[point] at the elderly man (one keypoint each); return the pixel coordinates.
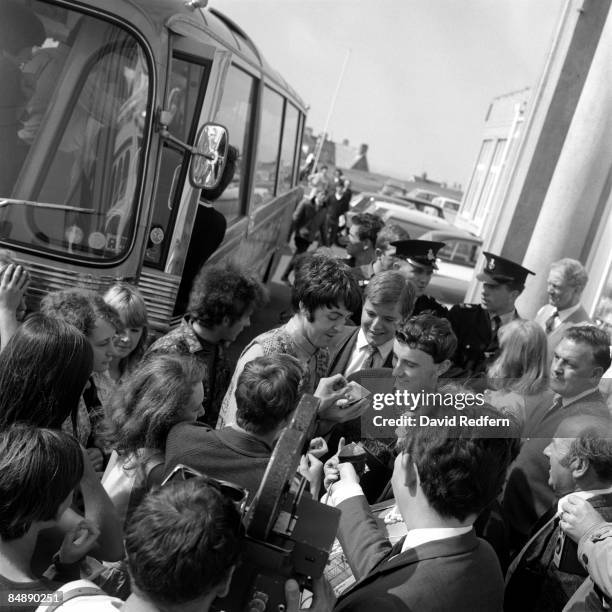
(566, 281)
(579, 361)
(546, 573)
(476, 325)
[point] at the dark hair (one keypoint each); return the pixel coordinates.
(461, 468)
(390, 233)
(38, 470)
(369, 226)
(148, 403)
(267, 392)
(223, 290)
(430, 334)
(391, 287)
(131, 308)
(43, 370)
(81, 308)
(320, 281)
(181, 541)
(596, 339)
(19, 28)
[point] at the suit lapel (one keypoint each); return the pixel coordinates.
(448, 547)
(343, 351)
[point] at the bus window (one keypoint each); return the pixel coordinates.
(288, 149)
(236, 114)
(80, 139)
(185, 92)
(267, 146)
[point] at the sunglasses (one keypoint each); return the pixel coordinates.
(238, 495)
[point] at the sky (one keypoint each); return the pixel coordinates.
(420, 74)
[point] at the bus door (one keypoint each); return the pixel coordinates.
(221, 220)
(190, 75)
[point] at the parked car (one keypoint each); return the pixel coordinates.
(456, 264)
(415, 218)
(420, 196)
(450, 206)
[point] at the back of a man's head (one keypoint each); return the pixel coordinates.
(430, 334)
(224, 291)
(182, 542)
(462, 467)
(267, 392)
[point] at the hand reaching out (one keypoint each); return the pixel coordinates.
(78, 542)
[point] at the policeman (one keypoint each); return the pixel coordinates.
(416, 260)
(476, 326)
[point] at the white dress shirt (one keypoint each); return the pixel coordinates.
(361, 353)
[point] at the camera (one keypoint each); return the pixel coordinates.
(288, 534)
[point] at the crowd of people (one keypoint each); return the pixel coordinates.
(506, 508)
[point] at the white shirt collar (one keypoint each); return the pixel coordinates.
(566, 401)
(568, 312)
(383, 349)
(416, 537)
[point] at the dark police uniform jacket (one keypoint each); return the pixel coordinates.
(476, 346)
(427, 303)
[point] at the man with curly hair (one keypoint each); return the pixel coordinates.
(222, 300)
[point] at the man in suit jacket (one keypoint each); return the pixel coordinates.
(442, 479)
(389, 299)
(546, 572)
(581, 358)
(476, 325)
(566, 281)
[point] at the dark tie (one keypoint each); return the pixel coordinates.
(550, 322)
(371, 352)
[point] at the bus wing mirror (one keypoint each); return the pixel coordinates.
(209, 157)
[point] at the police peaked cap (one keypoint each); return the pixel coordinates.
(501, 270)
(419, 252)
